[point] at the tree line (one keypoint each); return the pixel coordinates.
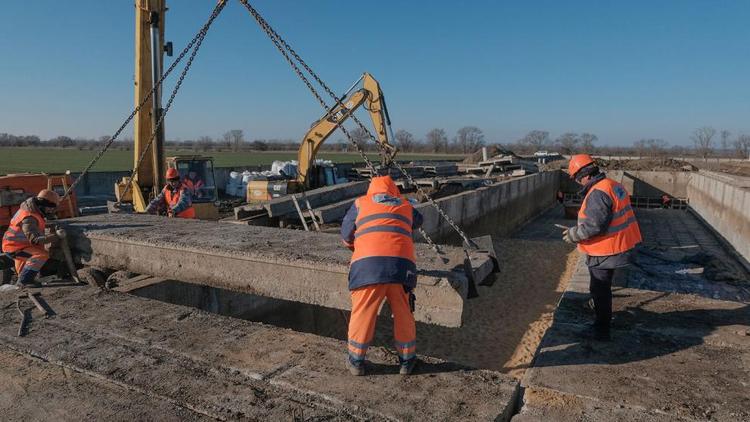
(707, 141)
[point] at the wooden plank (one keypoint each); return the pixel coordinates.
(139, 282)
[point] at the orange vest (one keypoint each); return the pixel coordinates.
(383, 229)
(173, 197)
(14, 239)
(623, 232)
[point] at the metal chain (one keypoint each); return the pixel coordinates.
(279, 42)
(282, 46)
(198, 41)
(122, 127)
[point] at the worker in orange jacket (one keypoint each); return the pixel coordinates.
(25, 237)
(176, 198)
(606, 232)
(378, 229)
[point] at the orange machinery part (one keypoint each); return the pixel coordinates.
(29, 185)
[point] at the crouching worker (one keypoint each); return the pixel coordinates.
(176, 198)
(378, 229)
(25, 238)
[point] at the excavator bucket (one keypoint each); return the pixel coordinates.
(480, 263)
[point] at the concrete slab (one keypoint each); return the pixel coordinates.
(293, 265)
(225, 368)
(673, 357)
(333, 212)
(317, 197)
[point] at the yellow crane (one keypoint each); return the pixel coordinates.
(371, 97)
(149, 172)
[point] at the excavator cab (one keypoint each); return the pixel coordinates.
(197, 173)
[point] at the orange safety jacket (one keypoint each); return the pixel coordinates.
(382, 232)
(14, 238)
(173, 198)
(623, 232)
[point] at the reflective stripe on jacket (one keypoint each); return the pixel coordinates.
(622, 233)
(14, 238)
(179, 201)
(381, 235)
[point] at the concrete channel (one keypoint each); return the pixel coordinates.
(243, 325)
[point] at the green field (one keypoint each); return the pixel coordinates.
(58, 160)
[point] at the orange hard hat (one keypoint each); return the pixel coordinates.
(577, 162)
(49, 196)
(172, 173)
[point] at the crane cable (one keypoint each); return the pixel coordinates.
(286, 50)
(194, 44)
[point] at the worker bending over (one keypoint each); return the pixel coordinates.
(176, 198)
(378, 229)
(25, 237)
(606, 232)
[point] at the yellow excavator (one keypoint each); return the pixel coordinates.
(148, 178)
(310, 176)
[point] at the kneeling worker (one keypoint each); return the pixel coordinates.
(176, 198)
(25, 238)
(378, 229)
(606, 232)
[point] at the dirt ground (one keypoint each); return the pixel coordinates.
(504, 325)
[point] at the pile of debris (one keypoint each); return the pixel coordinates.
(492, 151)
(648, 164)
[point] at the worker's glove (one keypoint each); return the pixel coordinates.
(348, 245)
(60, 233)
(570, 235)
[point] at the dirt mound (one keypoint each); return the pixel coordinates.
(650, 164)
(492, 151)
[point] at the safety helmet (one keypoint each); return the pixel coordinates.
(172, 173)
(577, 162)
(49, 196)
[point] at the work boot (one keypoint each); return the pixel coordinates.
(356, 368)
(407, 366)
(27, 278)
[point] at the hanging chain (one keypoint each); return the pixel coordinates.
(285, 49)
(217, 9)
(198, 41)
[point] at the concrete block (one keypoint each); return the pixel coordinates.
(333, 212)
(307, 267)
(317, 197)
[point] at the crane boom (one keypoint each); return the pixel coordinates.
(371, 96)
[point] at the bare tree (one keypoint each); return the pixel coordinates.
(725, 134)
(359, 135)
(536, 140)
(204, 143)
(703, 140)
(742, 146)
(437, 140)
(469, 139)
(587, 142)
(234, 139)
(568, 142)
(405, 140)
(656, 147)
(640, 147)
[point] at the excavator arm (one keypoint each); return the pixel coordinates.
(371, 96)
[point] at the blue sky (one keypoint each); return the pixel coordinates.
(622, 70)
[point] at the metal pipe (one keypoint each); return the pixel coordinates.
(156, 72)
